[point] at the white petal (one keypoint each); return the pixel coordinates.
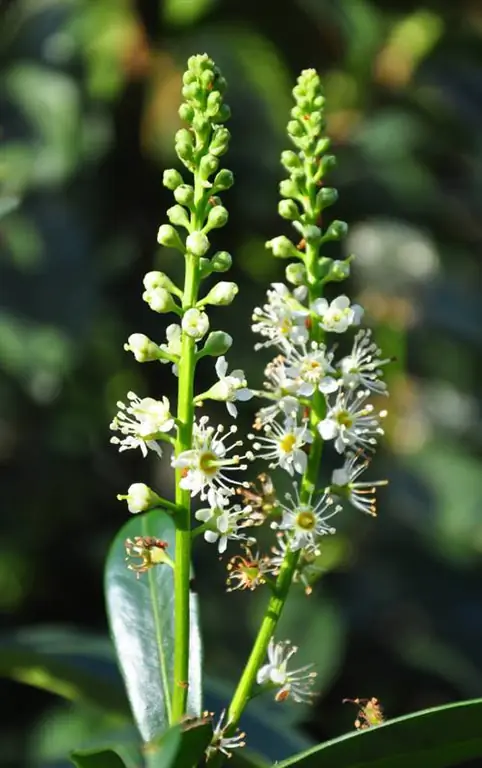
(232, 410)
(204, 515)
(211, 536)
(319, 306)
(328, 384)
(243, 394)
(299, 461)
(328, 429)
(221, 367)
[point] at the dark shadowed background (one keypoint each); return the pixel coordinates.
(89, 97)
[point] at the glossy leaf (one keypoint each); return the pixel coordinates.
(72, 664)
(433, 738)
(141, 615)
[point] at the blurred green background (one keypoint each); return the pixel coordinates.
(89, 97)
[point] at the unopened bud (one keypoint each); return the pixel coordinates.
(288, 210)
(143, 349)
(223, 180)
(221, 294)
(168, 236)
(336, 231)
(282, 247)
(154, 280)
(327, 196)
(184, 195)
(159, 300)
(340, 270)
(209, 164)
(288, 188)
(197, 243)
(140, 498)
(217, 217)
(290, 160)
(177, 215)
(295, 128)
(296, 273)
(322, 145)
(186, 112)
(220, 141)
(217, 343)
(171, 178)
(221, 261)
(312, 234)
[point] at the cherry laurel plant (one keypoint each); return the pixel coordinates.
(310, 395)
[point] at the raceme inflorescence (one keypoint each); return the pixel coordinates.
(312, 396)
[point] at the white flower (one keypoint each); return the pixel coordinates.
(143, 349)
(344, 484)
(298, 683)
(195, 323)
(310, 369)
(226, 524)
(283, 445)
(306, 522)
(142, 422)
(351, 422)
(230, 387)
(206, 467)
(139, 498)
(362, 368)
(282, 321)
(222, 743)
(339, 315)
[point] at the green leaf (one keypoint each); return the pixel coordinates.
(141, 616)
(123, 756)
(75, 665)
(179, 747)
(433, 738)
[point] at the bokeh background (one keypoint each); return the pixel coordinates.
(89, 97)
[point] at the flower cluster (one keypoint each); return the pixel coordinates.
(312, 394)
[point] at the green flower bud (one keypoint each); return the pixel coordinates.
(290, 160)
(159, 300)
(288, 188)
(282, 247)
(326, 196)
(295, 129)
(224, 113)
(201, 125)
(171, 178)
(217, 217)
(224, 179)
(186, 112)
(184, 145)
(327, 164)
(214, 103)
(192, 92)
(220, 141)
(336, 231)
(209, 164)
(177, 215)
(322, 145)
(340, 270)
(288, 210)
(168, 236)
(140, 498)
(195, 323)
(197, 243)
(184, 194)
(143, 349)
(207, 78)
(312, 234)
(222, 294)
(217, 343)
(153, 280)
(296, 273)
(221, 261)
(188, 77)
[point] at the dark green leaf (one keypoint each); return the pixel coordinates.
(433, 738)
(123, 756)
(141, 615)
(75, 665)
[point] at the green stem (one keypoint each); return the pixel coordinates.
(182, 573)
